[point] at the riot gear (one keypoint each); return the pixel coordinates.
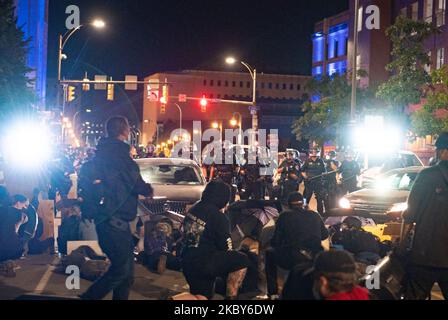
(313, 171)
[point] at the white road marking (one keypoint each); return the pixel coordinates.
(46, 277)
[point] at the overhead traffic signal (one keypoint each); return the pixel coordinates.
(164, 97)
(110, 92)
(70, 94)
(203, 104)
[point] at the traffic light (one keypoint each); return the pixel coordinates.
(163, 108)
(71, 93)
(164, 97)
(85, 84)
(110, 92)
(203, 104)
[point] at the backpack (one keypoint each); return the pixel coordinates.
(97, 191)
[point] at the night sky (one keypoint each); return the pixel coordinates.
(145, 36)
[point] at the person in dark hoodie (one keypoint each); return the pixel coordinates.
(208, 252)
(428, 210)
(118, 183)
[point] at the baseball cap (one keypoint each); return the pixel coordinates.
(442, 141)
(295, 197)
(335, 261)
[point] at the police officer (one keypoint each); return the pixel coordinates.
(290, 170)
(332, 166)
(313, 171)
(349, 172)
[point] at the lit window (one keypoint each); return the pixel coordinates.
(428, 66)
(414, 8)
(441, 11)
(428, 7)
(440, 58)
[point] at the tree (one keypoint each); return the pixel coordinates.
(432, 118)
(408, 77)
(326, 118)
(15, 92)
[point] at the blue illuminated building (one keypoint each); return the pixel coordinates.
(330, 46)
(32, 18)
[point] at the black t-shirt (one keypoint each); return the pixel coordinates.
(206, 229)
(300, 229)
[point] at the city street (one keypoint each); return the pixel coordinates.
(36, 277)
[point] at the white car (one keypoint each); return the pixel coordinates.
(380, 165)
(178, 183)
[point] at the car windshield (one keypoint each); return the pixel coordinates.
(396, 181)
(171, 174)
(396, 162)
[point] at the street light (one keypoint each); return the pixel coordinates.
(99, 24)
(238, 122)
(215, 125)
(253, 74)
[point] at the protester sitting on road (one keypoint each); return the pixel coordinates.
(332, 276)
(362, 244)
(11, 219)
(208, 250)
(298, 237)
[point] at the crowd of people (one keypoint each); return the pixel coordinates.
(226, 246)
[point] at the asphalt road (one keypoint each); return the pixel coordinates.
(37, 276)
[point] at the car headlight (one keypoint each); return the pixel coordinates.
(399, 207)
(344, 203)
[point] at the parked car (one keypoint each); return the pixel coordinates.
(377, 165)
(177, 183)
(380, 207)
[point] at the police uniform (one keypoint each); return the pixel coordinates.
(331, 185)
(313, 185)
(288, 183)
(349, 171)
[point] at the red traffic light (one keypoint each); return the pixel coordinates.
(203, 104)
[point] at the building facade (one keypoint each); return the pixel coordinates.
(32, 18)
(278, 96)
(374, 49)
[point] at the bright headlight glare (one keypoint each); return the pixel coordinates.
(399, 207)
(344, 203)
(27, 145)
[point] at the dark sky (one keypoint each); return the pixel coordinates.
(146, 36)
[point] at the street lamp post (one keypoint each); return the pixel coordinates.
(354, 64)
(180, 117)
(253, 74)
(62, 42)
(234, 122)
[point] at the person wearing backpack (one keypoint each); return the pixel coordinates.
(109, 187)
(428, 210)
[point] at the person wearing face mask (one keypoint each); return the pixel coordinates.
(428, 212)
(11, 244)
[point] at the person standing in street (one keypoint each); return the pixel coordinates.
(109, 188)
(428, 211)
(291, 176)
(349, 172)
(313, 171)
